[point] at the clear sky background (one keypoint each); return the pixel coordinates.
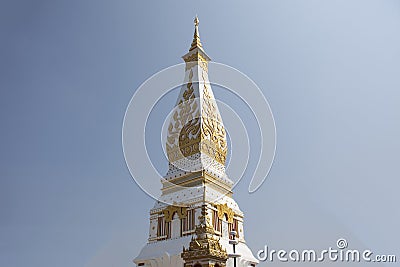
(329, 69)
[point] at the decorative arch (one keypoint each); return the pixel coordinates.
(170, 210)
(224, 209)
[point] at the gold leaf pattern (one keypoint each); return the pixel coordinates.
(197, 125)
(170, 211)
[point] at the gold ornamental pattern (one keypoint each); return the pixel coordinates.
(224, 209)
(171, 210)
(184, 129)
(205, 246)
(196, 125)
(213, 133)
(196, 59)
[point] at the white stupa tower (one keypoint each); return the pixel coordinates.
(192, 222)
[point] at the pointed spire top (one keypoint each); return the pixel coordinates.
(196, 38)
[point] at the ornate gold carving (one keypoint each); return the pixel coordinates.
(196, 125)
(184, 131)
(196, 38)
(196, 58)
(212, 130)
(205, 246)
(170, 211)
(195, 129)
(224, 209)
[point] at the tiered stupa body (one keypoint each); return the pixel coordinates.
(191, 222)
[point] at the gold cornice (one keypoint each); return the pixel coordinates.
(201, 175)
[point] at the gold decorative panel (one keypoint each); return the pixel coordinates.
(170, 211)
(224, 209)
(196, 125)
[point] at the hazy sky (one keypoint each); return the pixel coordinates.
(329, 69)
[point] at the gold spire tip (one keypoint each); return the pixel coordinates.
(196, 38)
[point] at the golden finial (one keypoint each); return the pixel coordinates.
(196, 38)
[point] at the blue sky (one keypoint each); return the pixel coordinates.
(329, 69)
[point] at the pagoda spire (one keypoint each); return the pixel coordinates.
(196, 43)
(196, 138)
(195, 210)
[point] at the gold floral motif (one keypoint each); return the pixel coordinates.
(196, 59)
(184, 130)
(212, 130)
(196, 125)
(224, 209)
(170, 211)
